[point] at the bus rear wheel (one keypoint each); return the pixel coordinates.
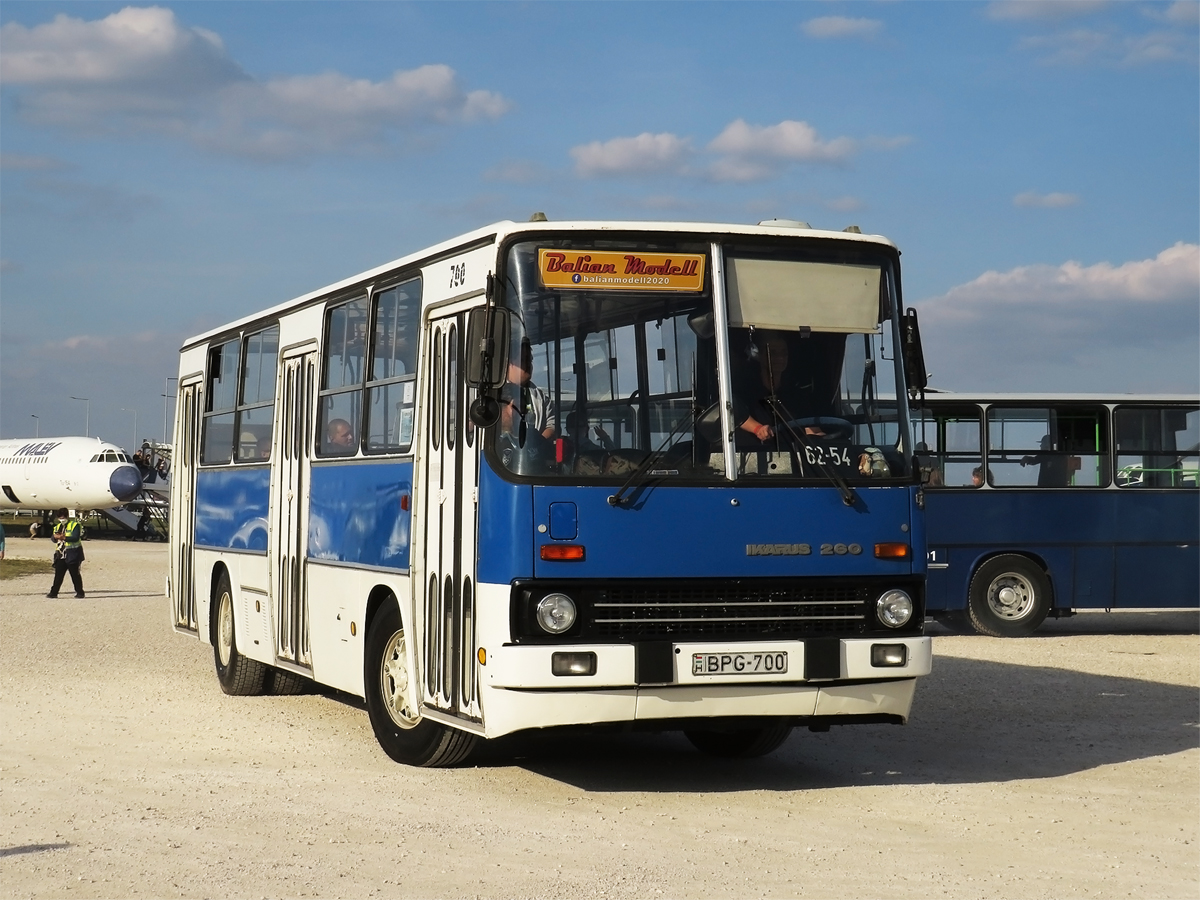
(743, 743)
(1009, 597)
(237, 675)
(392, 706)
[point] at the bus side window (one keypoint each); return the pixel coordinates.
(342, 371)
(391, 383)
(1157, 447)
(1049, 447)
(221, 413)
(949, 445)
(256, 411)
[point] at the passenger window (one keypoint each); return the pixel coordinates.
(1157, 447)
(1051, 447)
(220, 414)
(343, 371)
(949, 446)
(256, 413)
(391, 383)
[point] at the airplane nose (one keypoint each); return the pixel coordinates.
(125, 482)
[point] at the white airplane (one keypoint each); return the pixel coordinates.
(71, 472)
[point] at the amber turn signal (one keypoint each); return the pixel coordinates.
(891, 551)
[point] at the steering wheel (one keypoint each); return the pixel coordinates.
(834, 428)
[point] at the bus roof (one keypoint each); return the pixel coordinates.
(944, 396)
(500, 231)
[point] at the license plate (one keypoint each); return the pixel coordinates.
(774, 662)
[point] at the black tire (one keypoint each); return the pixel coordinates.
(1009, 597)
(744, 743)
(280, 682)
(392, 705)
(237, 675)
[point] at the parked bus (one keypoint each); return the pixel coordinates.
(1039, 504)
(684, 497)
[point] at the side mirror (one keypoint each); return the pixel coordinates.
(914, 356)
(487, 347)
(487, 361)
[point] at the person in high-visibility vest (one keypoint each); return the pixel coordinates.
(68, 534)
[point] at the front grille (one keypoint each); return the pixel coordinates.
(735, 610)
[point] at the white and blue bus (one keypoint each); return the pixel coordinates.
(1041, 504)
(651, 475)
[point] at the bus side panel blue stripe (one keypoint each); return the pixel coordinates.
(355, 515)
(505, 529)
(231, 508)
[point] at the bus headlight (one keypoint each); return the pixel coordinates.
(556, 613)
(894, 609)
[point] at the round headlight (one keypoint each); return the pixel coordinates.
(894, 609)
(556, 613)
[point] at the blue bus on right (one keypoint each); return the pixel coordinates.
(1038, 505)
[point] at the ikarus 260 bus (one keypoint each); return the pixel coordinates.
(647, 475)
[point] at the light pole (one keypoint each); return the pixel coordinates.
(134, 445)
(37, 426)
(87, 426)
(166, 387)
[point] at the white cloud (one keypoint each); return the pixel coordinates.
(741, 152)
(1046, 327)
(16, 162)
(516, 171)
(646, 154)
(1082, 45)
(841, 27)
(845, 204)
(751, 152)
(1182, 12)
(141, 71)
(1056, 200)
(1027, 10)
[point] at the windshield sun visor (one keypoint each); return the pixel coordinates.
(781, 294)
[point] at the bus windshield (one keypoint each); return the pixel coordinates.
(619, 362)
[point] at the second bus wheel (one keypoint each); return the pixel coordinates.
(1009, 596)
(391, 701)
(237, 675)
(743, 743)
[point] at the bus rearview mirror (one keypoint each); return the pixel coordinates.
(914, 356)
(487, 348)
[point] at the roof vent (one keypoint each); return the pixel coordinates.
(784, 223)
(538, 217)
(852, 229)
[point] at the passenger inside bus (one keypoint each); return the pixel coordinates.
(528, 417)
(339, 437)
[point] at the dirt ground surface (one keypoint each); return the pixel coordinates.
(1062, 765)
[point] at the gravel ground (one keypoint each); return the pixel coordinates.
(1062, 765)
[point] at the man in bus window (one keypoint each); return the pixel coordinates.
(525, 409)
(339, 437)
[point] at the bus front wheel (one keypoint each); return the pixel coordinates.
(743, 743)
(391, 701)
(1009, 597)
(237, 675)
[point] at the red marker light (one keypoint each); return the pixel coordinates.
(562, 552)
(891, 551)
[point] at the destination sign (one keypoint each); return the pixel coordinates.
(621, 271)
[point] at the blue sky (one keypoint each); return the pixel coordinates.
(168, 168)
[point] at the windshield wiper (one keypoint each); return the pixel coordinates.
(636, 478)
(781, 412)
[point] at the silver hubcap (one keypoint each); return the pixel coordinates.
(393, 682)
(1011, 596)
(225, 628)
